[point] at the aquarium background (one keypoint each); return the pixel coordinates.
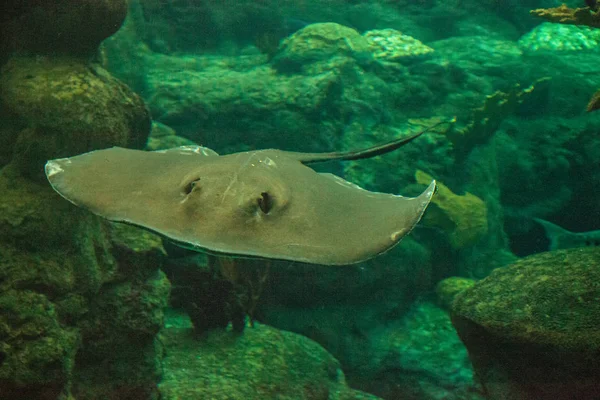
(483, 300)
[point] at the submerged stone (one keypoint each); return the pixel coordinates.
(263, 363)
(532, 328)
(319, 42)
(557, 37)
(36, 351)
(392, 45)
(448, 289)
(68, 107)
(76, 295)
(164, 137)
(463, 217)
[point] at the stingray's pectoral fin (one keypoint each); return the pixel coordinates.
(55, 170)
(357, 224)
(416, 208)
(408, 214)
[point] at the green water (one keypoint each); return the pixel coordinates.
(224, 282)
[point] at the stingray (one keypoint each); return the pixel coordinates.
(263, 203)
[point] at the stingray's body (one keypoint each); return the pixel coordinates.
(264, 203)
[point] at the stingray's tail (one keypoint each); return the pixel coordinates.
(311, 158)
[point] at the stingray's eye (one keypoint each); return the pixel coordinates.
(265, 202)
(190, 186)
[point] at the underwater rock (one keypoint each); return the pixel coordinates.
(123, 323)
(74, 27)
(319, 42)
(164, 137)
(83, 291)
(37, 228)
(531, 328)
(594, 103)
(446, 290)
(463, 218)
(124, 53)
(346, 310)
(70, 107)
(579, 37)
(36, 350)
(417, 357)
(83, 303)
(392, 45)
(9, 130)
(204, 98)
(556, 37)
(224, 26)
(263, 363)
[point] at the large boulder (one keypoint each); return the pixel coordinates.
(81, 299)
(320, 42)
(263, 363)
(67, 106)
(532, 329)
(75, 293)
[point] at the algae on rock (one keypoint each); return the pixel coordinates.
(448, 289)
(584, 16)
(463, 218)
(540, 341)
(393, 46)
(76, 294)
(263, 363)
(320, 42)
(69, 107)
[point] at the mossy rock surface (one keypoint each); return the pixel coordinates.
(392, 45)
(448, 289)
(230, 107)
(261, 363)
(47, 244)
(35, 350)
(76, 294)
(163, 137)
(121, 356)
(464, 217)
(550, 299)
(70, 107)
(319, 42)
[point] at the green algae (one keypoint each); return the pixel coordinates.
(263, 363)
(65, 276)
(72, 104)
(34, 346)
(448, 289)
(320, 42)
(531, 329)
(550, 298)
